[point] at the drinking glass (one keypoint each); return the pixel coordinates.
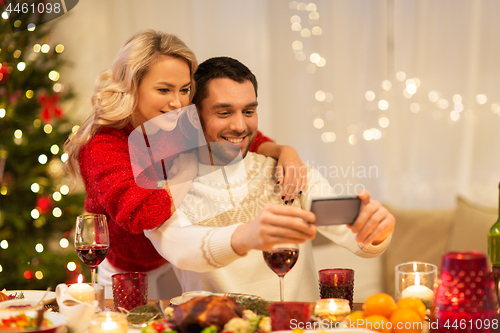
(130, 290)
(465, 299)
(281, 259)
(92, 240)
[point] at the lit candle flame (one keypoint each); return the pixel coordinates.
(80, 278)
(414, 266)
(417, 280)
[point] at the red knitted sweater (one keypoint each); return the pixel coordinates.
(111, 190)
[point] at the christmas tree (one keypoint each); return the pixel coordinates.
(37, 212)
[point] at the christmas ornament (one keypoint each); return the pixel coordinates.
(50, 107)
(44, 204)
(4, 75)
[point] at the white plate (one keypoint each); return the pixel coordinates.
(33, 294)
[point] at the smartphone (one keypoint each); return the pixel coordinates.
(335, 211)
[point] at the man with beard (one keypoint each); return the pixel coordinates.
(231, 208)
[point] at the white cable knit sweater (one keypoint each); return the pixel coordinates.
(196, 239)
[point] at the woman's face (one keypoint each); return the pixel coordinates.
(163, 89)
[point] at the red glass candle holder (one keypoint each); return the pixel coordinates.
(130, 290)
(290, 315)
(465, 299)
(337, 283)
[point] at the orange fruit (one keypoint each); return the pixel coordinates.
(354, 319)
(376, 323)
(406, 320)
(412, 303)
(379, 304)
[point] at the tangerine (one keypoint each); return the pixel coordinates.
(406, 320)
(379, 304)
(413, 303)
(376, 323)
(354, 319)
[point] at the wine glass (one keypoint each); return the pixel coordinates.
(92, 240)
(281, 258)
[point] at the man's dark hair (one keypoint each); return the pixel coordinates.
(217, 68)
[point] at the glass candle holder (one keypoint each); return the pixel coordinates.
(289, 315)
(332, 310)
(465, 295)
(337, 283)
(130, 290)
(416, 279)
(109, 322)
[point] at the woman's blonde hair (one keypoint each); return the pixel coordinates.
(115, 95)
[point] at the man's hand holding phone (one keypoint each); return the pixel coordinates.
(374, 222)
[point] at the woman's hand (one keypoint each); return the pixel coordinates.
(291, 173)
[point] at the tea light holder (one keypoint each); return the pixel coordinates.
(109, 322)
(83, 292)
(332, 309)
(416, 279)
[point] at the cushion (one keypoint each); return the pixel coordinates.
(471, 223)
(419, 235)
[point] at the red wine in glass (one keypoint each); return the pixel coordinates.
(281, 259)
(92, 240)
(92, 255)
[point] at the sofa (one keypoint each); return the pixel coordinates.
(420, 235)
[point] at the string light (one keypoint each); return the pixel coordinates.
(35, 214)
(3, 190)
(383, 104)
(1, 268)
(35, 187)
(321, 62)
(353, 139)
(5, 15)
(54, 76)
(328, 137)
(481, 99)
(454, 115)
(71, 266)
(2, 113)
(17, 54)
(305, 33)
(4, 244)
(314, 15)
(368, 135)
(57, 212)
(39, 275)
(457, 99)
(297, 45)
(320, 95)
(42, 159)
(36, 48)
(56, 196)
(17, 23)
(18, 134)
(37, 123)
(311, 7)
(64, 243)
(296, 26)
(59, 48)
(411, 88)
(301, 6)
(54, 149)
(319, 123)
(386, 85)
(45, 48)
(58, 87)
(29, 94)
(47, 128)
(64, 189)
(383, 122)
(31, 27)
(39, 248)
(64, 157)
(376, 133)
(317, 31)
(401, 76)
(295, 19)
(370, 95)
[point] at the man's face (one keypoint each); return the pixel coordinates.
(229, 116)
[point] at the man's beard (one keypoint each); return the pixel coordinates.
(227, 153)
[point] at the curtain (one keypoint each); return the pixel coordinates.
(324, 70)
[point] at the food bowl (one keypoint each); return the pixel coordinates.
(57, 322)
(19, 304)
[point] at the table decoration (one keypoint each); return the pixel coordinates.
(130, 290)
(337, 283)
(333, 310)
(465, 298)
(416, 279)
(77, 312)
(108, 322)
(82, 291)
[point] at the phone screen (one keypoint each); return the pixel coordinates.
(334, 211)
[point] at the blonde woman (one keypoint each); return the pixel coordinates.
(152, 75)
